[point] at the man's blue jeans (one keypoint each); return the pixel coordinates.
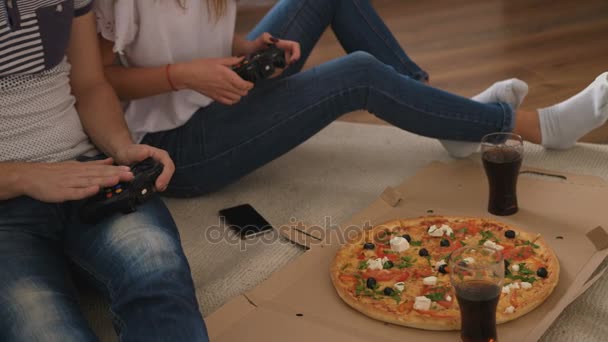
(220, 144)
(136, 260)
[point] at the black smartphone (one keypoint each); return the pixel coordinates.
(245, 220)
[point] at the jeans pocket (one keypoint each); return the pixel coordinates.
(55, 24)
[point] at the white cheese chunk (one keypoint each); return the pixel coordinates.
(447, 229)
(422, 303)
(374, 264)
(399, 244)
(514, 285)
(448, 298)
(489, 244)
(492, 244)
(385, 259)
(435, 231)
(400, 286)
(506, 289)
(510, 310)
(440, 263)
(515, 268)
(525, 285)
(431, 281)
(469, 260)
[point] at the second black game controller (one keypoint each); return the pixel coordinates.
(261, 65)
(124, 197)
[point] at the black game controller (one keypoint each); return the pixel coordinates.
(123, 197)
(261, 65)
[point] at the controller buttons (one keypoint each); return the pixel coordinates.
(118, 191)
(109, 195)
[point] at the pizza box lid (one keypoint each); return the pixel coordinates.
(299, 302)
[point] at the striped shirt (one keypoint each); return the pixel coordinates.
(38, 120)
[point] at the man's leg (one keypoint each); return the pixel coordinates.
(137, 260)
(37, 301)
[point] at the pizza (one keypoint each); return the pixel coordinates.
(398, 272)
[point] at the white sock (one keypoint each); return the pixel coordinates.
(563, 124)
(512, 91)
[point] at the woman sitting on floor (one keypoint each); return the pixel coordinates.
(184, 97)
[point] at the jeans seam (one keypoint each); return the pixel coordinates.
(509, 113)
(291, 20)
(203, 149)
(120, 323)
(362, 13)
(439, 115)
(85, 267)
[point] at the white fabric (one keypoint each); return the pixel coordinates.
(149, 33)
(331, 177)
(563, 124)
(38, 120)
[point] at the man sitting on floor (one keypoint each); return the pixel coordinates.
(48, 51)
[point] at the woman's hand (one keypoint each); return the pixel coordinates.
(135, 153)
(69, 181)
(212, 77)
(291, 48)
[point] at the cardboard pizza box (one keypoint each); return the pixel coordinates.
(299, 302)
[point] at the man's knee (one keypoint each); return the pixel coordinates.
(31, 311)
(146, 249)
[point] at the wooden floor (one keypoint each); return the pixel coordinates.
(557, 46)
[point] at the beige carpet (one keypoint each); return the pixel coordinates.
(331, 177)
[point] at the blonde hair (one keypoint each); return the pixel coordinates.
(218, 6)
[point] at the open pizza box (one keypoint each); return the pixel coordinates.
(299, 302)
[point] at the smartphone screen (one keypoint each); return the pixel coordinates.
(245, 220)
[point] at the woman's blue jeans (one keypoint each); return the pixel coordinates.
(136, 260)
(220, 143)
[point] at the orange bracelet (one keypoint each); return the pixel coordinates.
(168, 72)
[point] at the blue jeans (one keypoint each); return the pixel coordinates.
(136, 260)
(220, 143)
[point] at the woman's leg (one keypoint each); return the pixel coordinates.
(278, 115)
(527, 124)
(355, 22)
(138, 262)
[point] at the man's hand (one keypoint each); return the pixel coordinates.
(135, 153)
(69, 181)
(212, 77)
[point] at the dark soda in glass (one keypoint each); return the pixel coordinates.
(502, 167)
(478, 301)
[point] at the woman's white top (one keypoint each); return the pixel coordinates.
(152, 33)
